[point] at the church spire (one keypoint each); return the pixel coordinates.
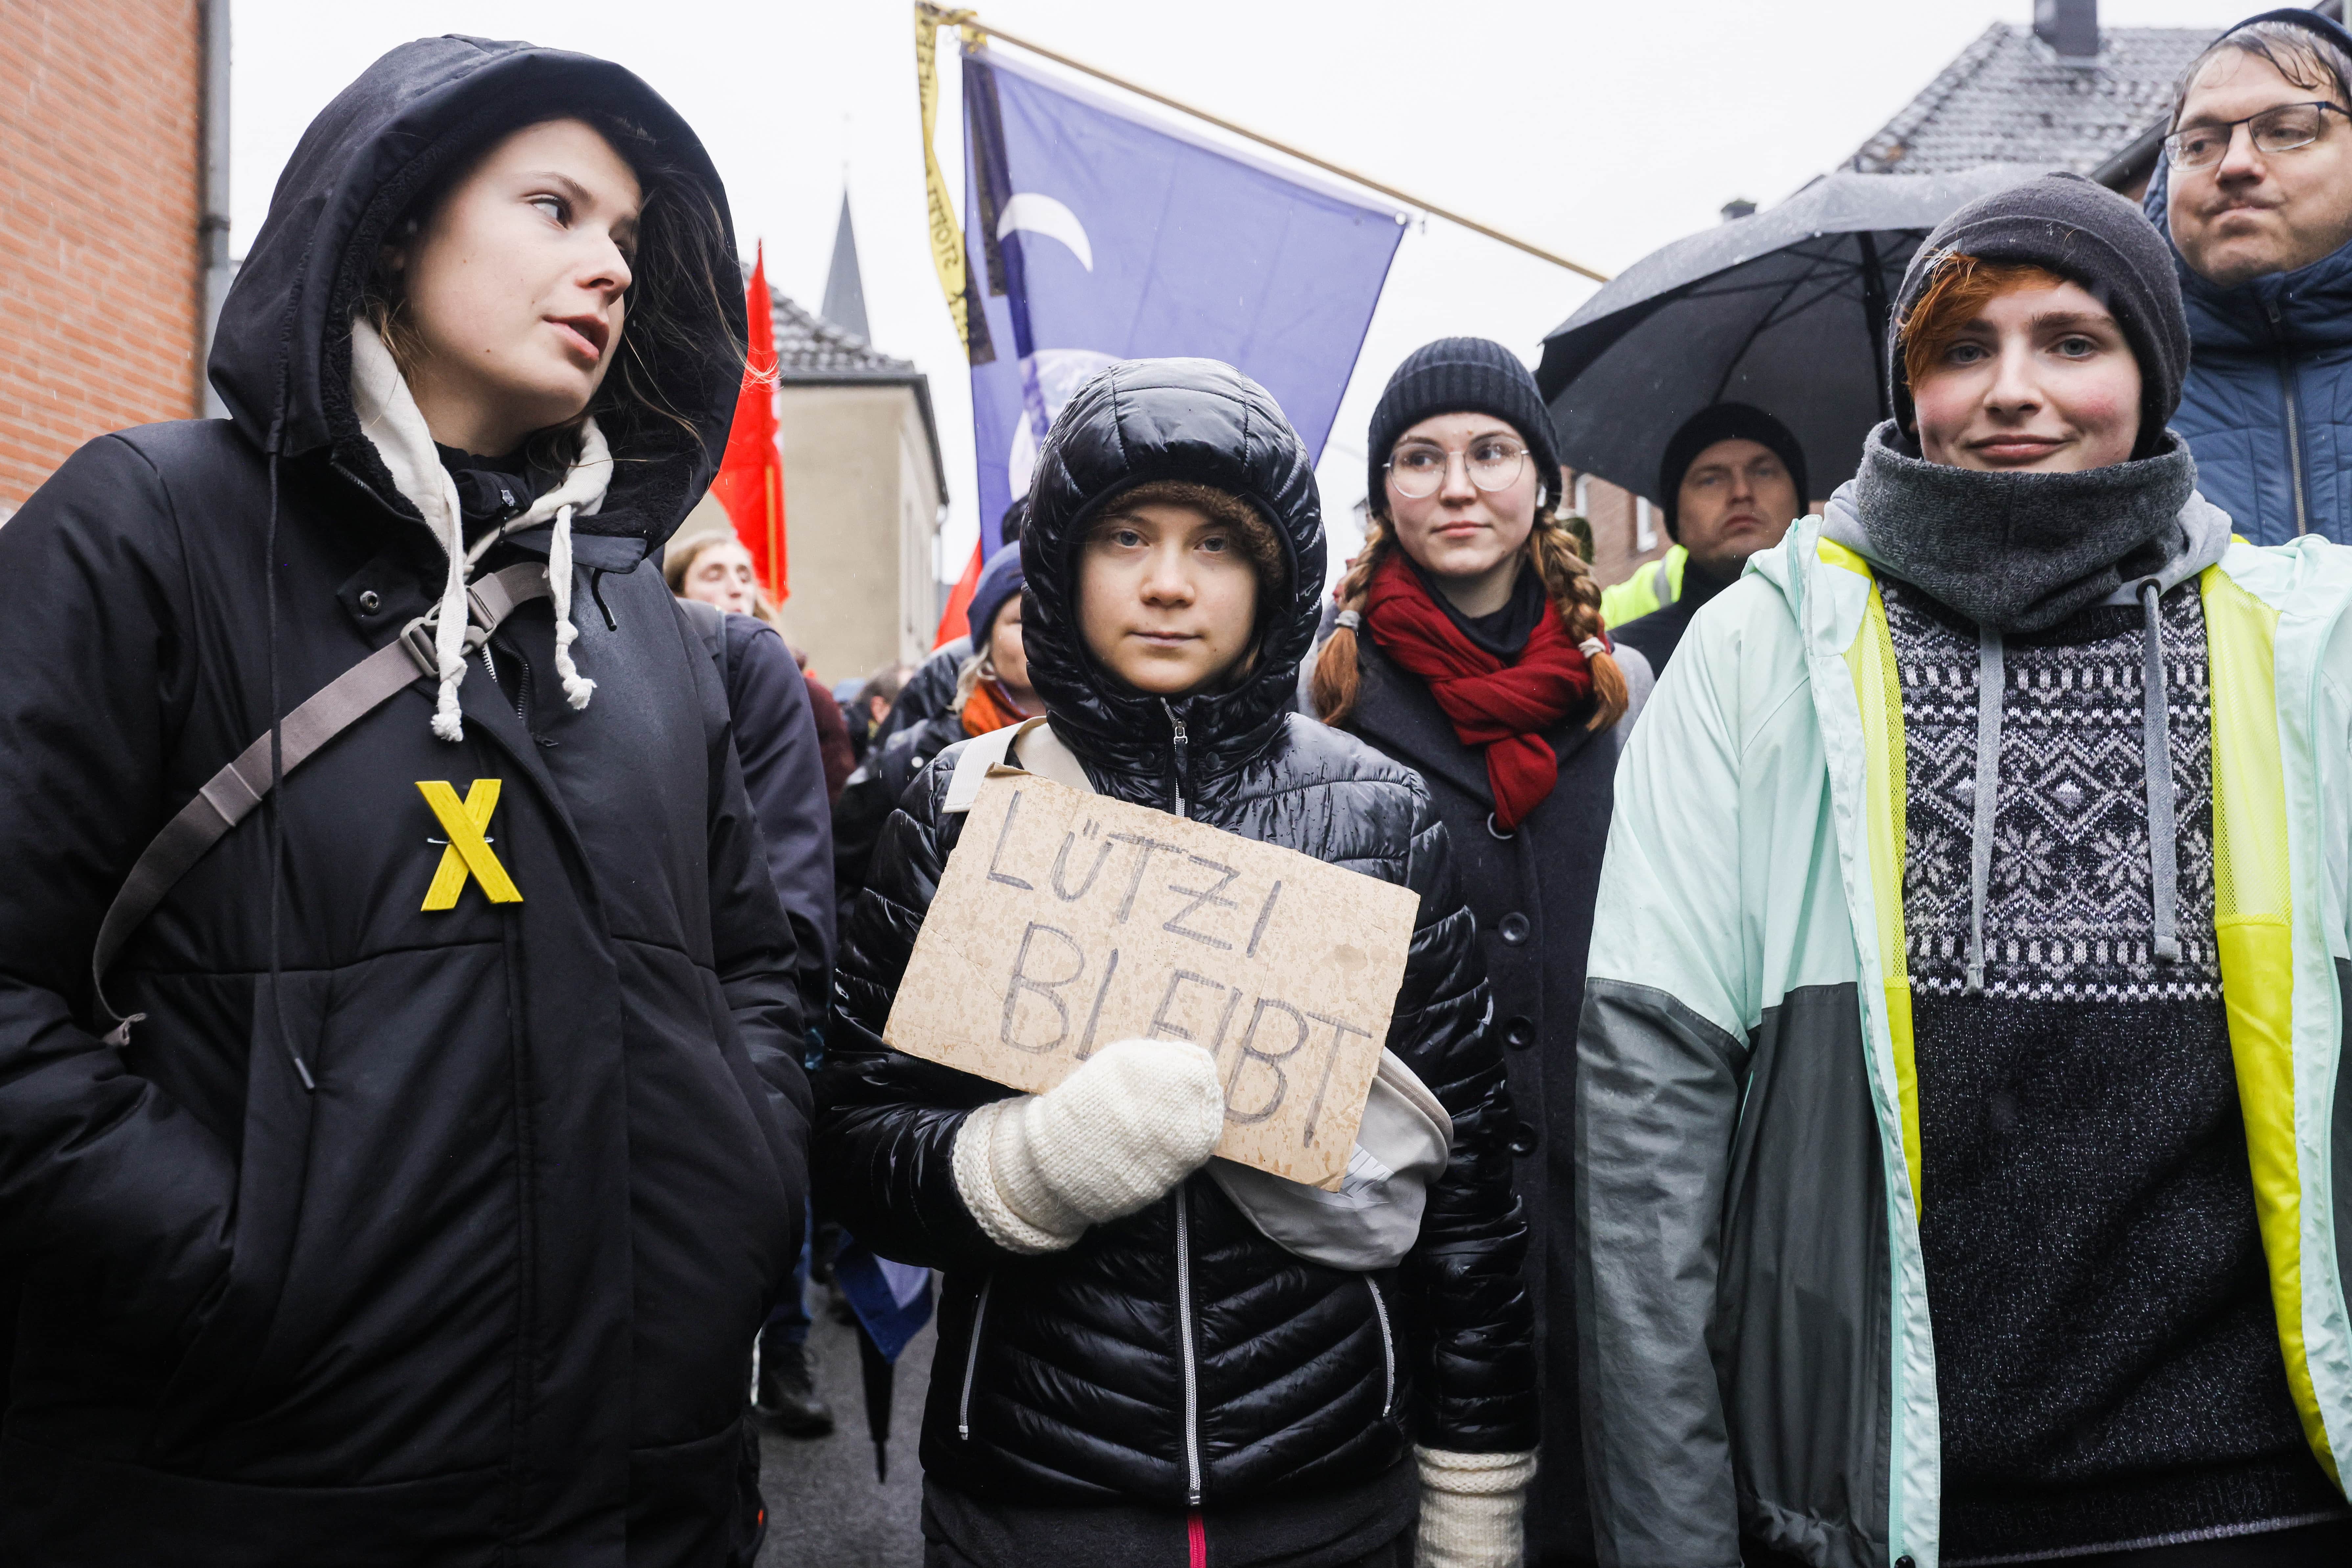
(844, 288)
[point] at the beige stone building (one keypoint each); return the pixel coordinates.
(865, 491)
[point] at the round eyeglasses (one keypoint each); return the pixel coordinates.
(2281, 129)
(1492, 462)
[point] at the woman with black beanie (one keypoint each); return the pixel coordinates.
(1964, 1017)
(1468, 646)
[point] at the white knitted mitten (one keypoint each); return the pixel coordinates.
(1470, 1509)
(1139, 1117)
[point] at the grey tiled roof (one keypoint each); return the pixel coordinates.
(809, 348)
(2007, 100)
(814, 350)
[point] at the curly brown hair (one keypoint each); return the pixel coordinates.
(1552, 551)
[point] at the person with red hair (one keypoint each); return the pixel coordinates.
(1966, 994)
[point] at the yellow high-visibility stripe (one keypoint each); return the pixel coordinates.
(1638, 595)
(1878, 690)
(2253, 925)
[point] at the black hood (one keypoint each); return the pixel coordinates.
(1203, 423)
(281, 358)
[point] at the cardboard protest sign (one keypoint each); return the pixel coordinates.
(1065, 920)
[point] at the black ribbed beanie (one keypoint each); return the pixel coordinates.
(2078, 229)
(1462, 376)
(1725, 422)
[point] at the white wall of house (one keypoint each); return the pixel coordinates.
(862, 504)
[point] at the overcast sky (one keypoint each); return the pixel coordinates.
(1596, 129)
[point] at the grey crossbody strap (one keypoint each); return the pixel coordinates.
(229, 796)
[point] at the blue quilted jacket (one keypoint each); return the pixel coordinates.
(2267, 409)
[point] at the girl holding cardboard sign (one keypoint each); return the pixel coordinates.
(1129, 1365)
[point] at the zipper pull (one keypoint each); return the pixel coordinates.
(1182, 756)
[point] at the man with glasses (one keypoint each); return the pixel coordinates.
(1732, 481)
(2255, 193)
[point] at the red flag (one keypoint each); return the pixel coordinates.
(955, 621)
(750, 482)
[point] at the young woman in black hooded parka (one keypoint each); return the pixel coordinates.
(1128, 1369)
(457, 1146)
(1468, 646)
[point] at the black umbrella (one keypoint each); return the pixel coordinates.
(878, 1377)
(1785, 310)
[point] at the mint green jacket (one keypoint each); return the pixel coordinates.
(1758, 1356)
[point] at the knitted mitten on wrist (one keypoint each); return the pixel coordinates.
(1139, 1117)
(1470, 1509)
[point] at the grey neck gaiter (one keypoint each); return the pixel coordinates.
(2021, 551)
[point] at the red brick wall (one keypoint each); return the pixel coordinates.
(1616, 547)
(101, 191)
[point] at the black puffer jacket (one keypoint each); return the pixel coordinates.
(873, 792)
(1063, 1378)
(1532, 890)
(486, 1294)
(925, 695)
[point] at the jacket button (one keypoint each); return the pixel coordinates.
(1519, 1032)
(1524, 1139)
(371, 602)
(1513, 928)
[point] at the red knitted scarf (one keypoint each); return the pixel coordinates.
(1503, 707)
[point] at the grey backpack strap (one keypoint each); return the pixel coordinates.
(229, 796)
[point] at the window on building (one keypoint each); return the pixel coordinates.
(1645, 526)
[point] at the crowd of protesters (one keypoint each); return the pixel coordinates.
(1885, 966)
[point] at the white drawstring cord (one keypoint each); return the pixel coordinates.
(576, 686)
(450, 630)
(582, 485)
(389, 416)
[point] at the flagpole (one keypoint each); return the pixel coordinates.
(971, 22)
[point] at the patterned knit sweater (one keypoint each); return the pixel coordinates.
(2107, 1362)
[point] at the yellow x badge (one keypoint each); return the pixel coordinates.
(467, 851)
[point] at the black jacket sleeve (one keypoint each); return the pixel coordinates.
(751, 942)
(833, 745)
(776, 741)
(872, 794)
(886, 1133)
(927, 691)
(108, 1189)
(1470, 1326)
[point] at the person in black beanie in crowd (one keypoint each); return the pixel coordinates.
(928, 691)
(1732, 481)
(1466, 645)
(1964, 1005)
